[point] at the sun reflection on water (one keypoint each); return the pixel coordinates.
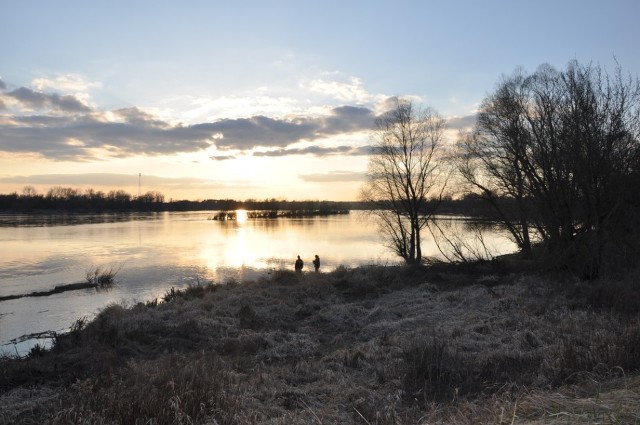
(241, 216)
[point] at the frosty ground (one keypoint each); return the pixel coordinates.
(481, 343)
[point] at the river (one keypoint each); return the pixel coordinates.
(153, 252)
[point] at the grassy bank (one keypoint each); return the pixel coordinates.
(377, 345)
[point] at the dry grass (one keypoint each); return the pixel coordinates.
(102, 278)
(377, 345)
(609, 402)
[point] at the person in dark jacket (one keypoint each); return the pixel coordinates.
(299, 265)
(316, 263)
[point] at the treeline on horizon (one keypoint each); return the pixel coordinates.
(61, 199)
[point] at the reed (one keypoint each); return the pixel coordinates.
(101, 277)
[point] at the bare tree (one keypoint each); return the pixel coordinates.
(405, 166)
(556, 153)
(492, 160)
(29, 191)
(460, 241)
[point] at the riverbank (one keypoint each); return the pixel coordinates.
(372, 345)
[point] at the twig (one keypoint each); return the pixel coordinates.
(312, 412)
(363, 418)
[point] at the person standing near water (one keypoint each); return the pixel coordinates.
(299, 265)
(316, 263)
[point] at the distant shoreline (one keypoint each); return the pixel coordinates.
(84, 204)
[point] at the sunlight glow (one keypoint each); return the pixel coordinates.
(241, 216)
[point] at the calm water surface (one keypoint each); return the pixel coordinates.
(155, 252)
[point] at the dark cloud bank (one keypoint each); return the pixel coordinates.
(62, 127)
(38, 100)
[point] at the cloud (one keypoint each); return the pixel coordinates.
(197, 109)
(316, 151)
(109, 180)
(92, 135)
(29, 97)
(351, 91)
(248, 133)
(131, 131)
(64, 82)
(222, 157)
(348, 119)
(3, 86)
(333, 176)
(65, 128)
(461, 123)
(90, 179)
(261, 131)
(38, 100)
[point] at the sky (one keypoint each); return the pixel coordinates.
(261, 99)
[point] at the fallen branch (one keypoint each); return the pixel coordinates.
(56, 290)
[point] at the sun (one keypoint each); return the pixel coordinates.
(241, 216)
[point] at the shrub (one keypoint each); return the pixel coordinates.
(37, 350)
(190, 292)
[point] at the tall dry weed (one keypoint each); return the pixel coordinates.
(171, 390)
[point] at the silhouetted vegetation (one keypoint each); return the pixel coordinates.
(293, 213)
(406, 165)
(555, 154)
(74, 200)
(61, 200)
(564, 146)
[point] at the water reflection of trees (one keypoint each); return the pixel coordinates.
(69, 219)
(464, 239)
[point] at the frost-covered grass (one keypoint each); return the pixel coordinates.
(374, 345)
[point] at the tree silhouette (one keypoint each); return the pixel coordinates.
(405, 166)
